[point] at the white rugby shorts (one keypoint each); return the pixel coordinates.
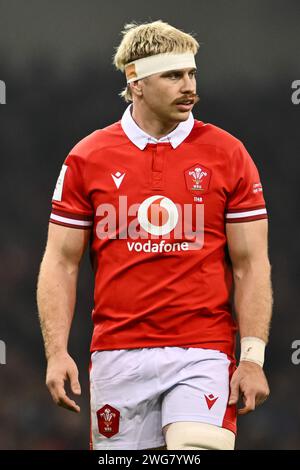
(136, 392)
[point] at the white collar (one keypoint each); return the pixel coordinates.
(141, 138)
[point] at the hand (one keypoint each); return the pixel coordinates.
(61, 367)
(250, 381)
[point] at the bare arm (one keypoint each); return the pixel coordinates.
(56, 296)
(248, 249)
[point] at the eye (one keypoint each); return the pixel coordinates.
(173, 75)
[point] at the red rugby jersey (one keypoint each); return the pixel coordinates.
(157, 212)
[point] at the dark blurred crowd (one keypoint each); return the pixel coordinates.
(45, 115)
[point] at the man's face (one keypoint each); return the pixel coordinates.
(165, 92)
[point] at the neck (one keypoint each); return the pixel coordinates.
(150, 123)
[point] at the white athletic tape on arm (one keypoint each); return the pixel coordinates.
(253, 350)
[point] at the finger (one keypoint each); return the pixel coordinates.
(234, 394)
(249, 401)
(261, 399)
(61, 399)
(75, 385)
(55, 387)
(65, 402)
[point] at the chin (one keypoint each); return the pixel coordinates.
(177, 116)
(182, 115)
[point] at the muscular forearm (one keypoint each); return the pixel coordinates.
(56, 296)
(253, 300)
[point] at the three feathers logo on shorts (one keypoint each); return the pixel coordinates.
(108, 420)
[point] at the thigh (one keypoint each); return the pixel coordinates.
(125, 410)
(201, 390)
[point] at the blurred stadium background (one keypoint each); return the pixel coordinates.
(55, 58)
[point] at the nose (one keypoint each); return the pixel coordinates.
(188, 83)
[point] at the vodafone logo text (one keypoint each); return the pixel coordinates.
(157, 224)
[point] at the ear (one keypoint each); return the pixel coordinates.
(136, 87)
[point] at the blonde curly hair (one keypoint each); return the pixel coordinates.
(143, 40)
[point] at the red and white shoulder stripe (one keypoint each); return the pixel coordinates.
(71, 220)
(246, 215)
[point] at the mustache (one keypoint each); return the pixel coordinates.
(194, 98)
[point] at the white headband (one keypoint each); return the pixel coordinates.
(142, 68)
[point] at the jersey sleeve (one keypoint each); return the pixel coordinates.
(71, 206)
(245, 201)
